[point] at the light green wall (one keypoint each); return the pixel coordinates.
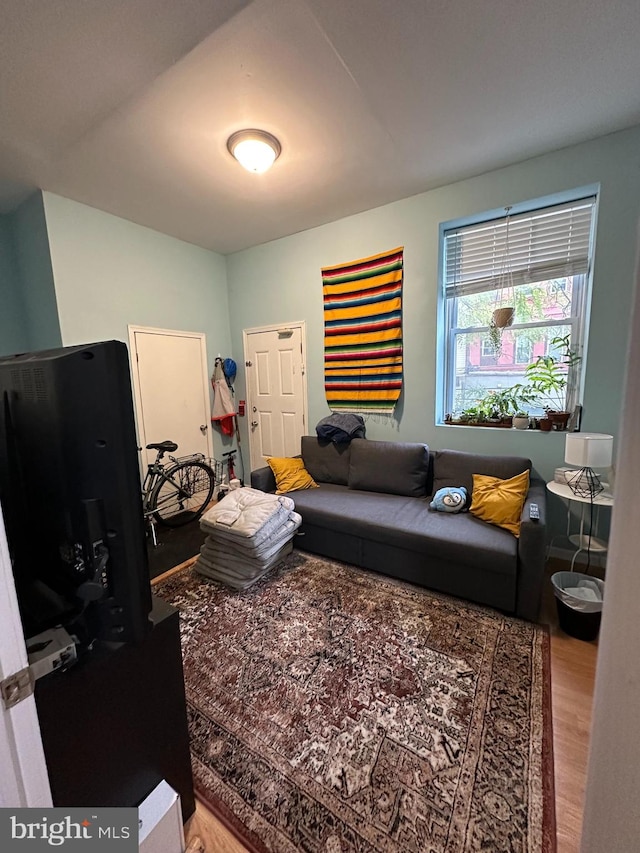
(33, 261)
(13, 333)
(280, 282)
(110, 273)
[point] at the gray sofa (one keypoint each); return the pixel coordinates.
(372, 510)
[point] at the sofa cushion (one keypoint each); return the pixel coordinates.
(499, 501)
(392, 467)
(290, 474)
(408, 523)
(325, 461)
(456, 468)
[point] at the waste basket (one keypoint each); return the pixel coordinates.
(579, 601)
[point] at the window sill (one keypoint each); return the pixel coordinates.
(501, 428)
(491, 425)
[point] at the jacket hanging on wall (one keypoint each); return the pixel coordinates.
(223, 406)
(341, 427)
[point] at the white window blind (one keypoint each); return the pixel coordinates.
(549, 243)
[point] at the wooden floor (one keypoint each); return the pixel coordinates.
(573, 664)
(573, 669)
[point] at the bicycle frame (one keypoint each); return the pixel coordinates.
(156, 473)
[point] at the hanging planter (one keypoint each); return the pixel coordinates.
(503, 312)
(502, 317)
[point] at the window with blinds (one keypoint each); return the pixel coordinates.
(543, 276)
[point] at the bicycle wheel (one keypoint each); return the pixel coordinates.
(183, 494)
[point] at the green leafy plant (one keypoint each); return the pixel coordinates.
(472, 414)
(547, 377)
(495, 336)
(500, 404)
(545, 387)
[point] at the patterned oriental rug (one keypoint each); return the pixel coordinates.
(336, 710)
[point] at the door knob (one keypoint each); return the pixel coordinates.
(203, 428)
(254, 423)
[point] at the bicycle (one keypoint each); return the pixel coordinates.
(176, 494)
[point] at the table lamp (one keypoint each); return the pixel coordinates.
(588, 450)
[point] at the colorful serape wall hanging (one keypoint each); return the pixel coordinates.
(363, 333)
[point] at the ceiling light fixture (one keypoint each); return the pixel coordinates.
(256, 150)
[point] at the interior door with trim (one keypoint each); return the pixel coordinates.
(171, 386)
(276, 390)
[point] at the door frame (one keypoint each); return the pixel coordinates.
(24, 781)
(137, 395)
(275, 327)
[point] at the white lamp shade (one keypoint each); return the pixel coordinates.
(588, 449)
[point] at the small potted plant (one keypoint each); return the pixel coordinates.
(521, 420)
(471, 415)
(500, 406)
(559, 420)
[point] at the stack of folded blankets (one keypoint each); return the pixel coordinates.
(249, 531)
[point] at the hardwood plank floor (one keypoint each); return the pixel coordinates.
(215, 837)
(573, 665)
(573, 669)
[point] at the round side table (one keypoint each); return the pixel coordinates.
(583, 541)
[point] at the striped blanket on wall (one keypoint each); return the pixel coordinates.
(363, 333)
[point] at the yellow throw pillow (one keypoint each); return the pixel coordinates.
(290, 475)
(500, 501)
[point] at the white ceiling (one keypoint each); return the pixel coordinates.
(126, 105)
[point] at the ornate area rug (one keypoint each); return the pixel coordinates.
(336, 710)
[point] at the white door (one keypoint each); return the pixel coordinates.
(276, 390)
(23, 774)
(171, 385)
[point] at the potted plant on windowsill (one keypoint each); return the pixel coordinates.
(547, 382)
(559, 420)
(472, 416)
(495, 408)
(521, 420)
(500, 406)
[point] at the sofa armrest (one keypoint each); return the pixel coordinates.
(532, 546)
(263, 479)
